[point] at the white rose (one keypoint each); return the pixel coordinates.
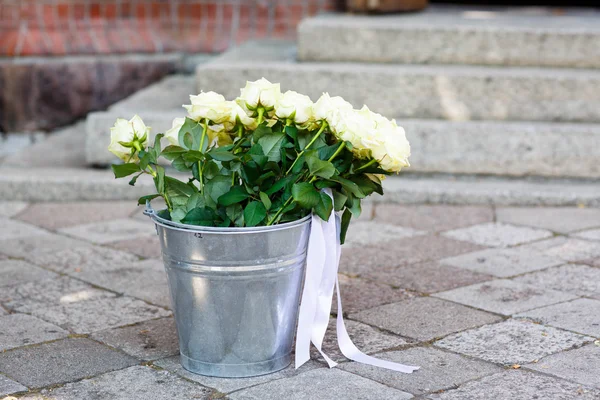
(393, 154)
(295, 106)
(133, 133)
(325, 108)
(209, 105)
(238, 115)
(350, 126)
(172, 135)
(260, 92)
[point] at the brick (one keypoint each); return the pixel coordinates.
(497, 234)
(433, 218)
(11, 208)
(569, 249)
(92, 316)
(371, 232)
(579, 316)
(61, 362)
(22, 330)
(579, 280)
(16, 271)
(148, 340)
(359, 294)
(12, 229)
(512, 342)
(504, 296)
(147, 247)
(439, 370)
(556, 219)
(110, 231)
(503, 262)
(424, 318)
(8, 386)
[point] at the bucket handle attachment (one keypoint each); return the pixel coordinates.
(150, 212)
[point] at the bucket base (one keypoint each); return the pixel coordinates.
(235, 370)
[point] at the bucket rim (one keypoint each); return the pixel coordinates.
(227, 230)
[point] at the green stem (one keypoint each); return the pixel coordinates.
(240, 131)
(373, 161)
(261, 112)
(200, 166)
(313, 140)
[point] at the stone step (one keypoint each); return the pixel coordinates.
(457, 35)
(59, 185)
(415, 91)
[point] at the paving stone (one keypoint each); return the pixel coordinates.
(36, 247)
(3, 311)
(595, 262)
(433, 218)
(149, 340)
(576, 279)
(147, 247)
(424, 318)
(12, 229)
(580, 365)
(581, 316)
(16, 271)
(556, 219)
(76, 260)
(427, 277)
(22, 330)
(63, 290)
(439, 370)
(512, 342)
(226, 385)
(60, 362)
(496, 234)
(360, 260)
(322, 384)
(146, 280)
(374, 232)
(8, 386)
(54, 216)
(592, 234)
(569, 249)
(359, 294)
(110, 231)
(11, 208)
(521, 385)
(96, 315)
(503, 262)
(504, 296)
(132, 383)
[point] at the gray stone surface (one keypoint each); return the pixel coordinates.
(424, 318)
(60, 362)
(504, 296)
(556, 219)
(224, 385)
(22, 330)
(149, 340)
(91, 316)
(439, 370)
(512, 342)
(146, 247)
(110, 231)
(11, 208)
(580, 280)
(12, 229)
(456, 35)
(497, 234)
(503, 262)
(581, 316)
(8, 386)
(522, 385)
(16, 271)
(569, 249)
(580, 365)
(35, 247)
(62, 291)
(322, 384)
(132, 383)
(430, 92)
(372, 232)
(359, 294)
(592, 234)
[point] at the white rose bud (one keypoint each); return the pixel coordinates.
(325, 108)
(260, 93)
(172, 135)
(128, 135)
(238, 115)
(209, 105)
(295, 106)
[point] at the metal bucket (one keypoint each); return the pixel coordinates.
(235, 294)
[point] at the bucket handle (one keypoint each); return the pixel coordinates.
(149, 211)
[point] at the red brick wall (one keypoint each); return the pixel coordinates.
(64, 27)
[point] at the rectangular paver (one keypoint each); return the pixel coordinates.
(11, 208)
(512, 342)
(33, 247)
(359, 294)
(576, 279)
(12, 229)
(556, 219)
(372, 232)
(504, 296)
(592, 234)
(581, 316)
(22, 330)
(569, 249)
(8, 386)
(424, 318)
(146, 247)
(495, 234)
(110, 231)
(13, 272)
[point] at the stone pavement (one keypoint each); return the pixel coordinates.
(492, 303)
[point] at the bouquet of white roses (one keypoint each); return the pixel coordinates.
(264, 158)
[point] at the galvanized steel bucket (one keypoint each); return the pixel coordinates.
(235, 294)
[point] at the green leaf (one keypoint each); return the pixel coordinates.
(142, 200)
(193, 156)
(326, 152)
(299, 164)
(349, 186)
(271, 143)
(217, 187)
(134, 179)
(320, 168)
(366, 185)
(324, 206)
(211, 169)
(280, 184)
(346, 217)
(265, 200)
(305, 194)
(339, 200)
(236, 214)
(202, 216)
(292, 132)
(179, 164)
(121, 170)
(190, 134)
(261, 131)
(178, 214)
(172, 152)
(257, 155)
(235, 195)
(254, 213)
(221, 154)
(177, 188)
(159, 180)
(195, 201)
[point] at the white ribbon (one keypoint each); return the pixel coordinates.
(322, 263)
